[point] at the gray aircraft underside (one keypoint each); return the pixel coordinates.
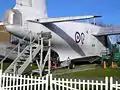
(69, 39)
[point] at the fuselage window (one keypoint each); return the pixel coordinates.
(93, 45)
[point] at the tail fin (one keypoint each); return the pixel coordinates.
(39, 5)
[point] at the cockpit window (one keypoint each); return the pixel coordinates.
(17, 18)
(13, 16)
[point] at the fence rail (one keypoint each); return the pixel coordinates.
(19, 82)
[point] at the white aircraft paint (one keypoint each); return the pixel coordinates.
(27, 14)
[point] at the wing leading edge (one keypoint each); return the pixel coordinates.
(101, 32)
(62, 19)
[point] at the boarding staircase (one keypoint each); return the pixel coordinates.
(28, 54)
(23, 60)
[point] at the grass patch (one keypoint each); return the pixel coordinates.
(98, 72)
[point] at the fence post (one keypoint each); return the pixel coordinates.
(111, 83)
(97, 84)
(92, 85)
(83, 84)
(0, 79)
(116, 85)
(106, 83)
(50, 82)
(47, 81)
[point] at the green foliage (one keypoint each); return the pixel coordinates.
(118, 63)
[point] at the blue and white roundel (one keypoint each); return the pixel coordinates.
(79, 37)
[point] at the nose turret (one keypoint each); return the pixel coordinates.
(12, 18)
(8, 19)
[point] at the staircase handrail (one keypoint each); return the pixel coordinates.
(1, 63)
(24, 50)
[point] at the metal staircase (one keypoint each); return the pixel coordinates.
(23, 60)
(28, 54)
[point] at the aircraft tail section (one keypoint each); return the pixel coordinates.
(24, 2)
(38, 5)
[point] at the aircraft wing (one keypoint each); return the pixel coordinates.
(62, 19)
(107, 31)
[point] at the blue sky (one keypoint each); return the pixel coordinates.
(109, 9)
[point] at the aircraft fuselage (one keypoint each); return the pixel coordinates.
(69, 39)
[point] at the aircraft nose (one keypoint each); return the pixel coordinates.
(14, 29)
(9, 28)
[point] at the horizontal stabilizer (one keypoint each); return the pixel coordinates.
(62, 19)
(107, 31)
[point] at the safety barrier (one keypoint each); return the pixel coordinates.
(19, 82)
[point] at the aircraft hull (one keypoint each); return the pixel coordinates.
(64, 38)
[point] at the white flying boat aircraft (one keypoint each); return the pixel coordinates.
(73, 40)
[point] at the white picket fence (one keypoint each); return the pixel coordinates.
(16, 82)
(77, 84)
(115, 85)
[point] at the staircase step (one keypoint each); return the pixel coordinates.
(23, 60)
(33, 47)
(25, 56)
(27, 53)
(29, 50)
(18, 66)
(20, 62)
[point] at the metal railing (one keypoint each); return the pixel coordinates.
(1, 63)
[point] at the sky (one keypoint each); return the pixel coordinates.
(108, 9)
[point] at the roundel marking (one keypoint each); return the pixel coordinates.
(82, 38)
(77, 37)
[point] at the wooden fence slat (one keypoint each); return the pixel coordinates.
(101, 85)
(79, 84)
(92, 85)
(106, 82)
(46, 79)
(88, 86)
(67, 84)
(97, 84)
(24, 79)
